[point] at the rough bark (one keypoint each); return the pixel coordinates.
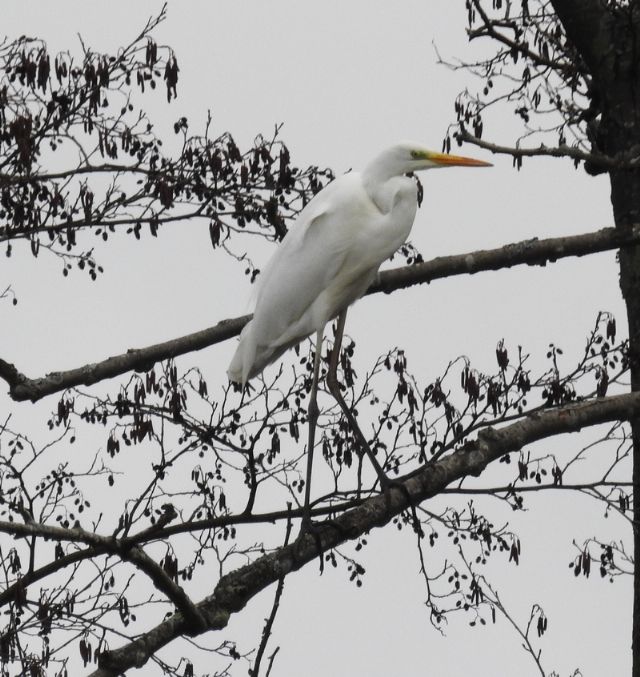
(530, 252)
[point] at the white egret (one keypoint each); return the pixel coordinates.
(326, 262)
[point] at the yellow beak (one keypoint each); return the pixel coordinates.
(457, 160)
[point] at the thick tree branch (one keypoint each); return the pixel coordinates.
(530, 252)
(23, 388)
(234, 590)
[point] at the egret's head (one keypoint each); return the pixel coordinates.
(410, 157)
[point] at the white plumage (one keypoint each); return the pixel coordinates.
(332, 254)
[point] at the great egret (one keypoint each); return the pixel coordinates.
(326, 262)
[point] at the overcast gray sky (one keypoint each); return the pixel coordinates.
(348, 79)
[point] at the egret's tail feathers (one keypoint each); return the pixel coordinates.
(243, 358)
(234, 372)
(242, 370)
(250, 359)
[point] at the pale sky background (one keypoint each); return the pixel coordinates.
(347, 79)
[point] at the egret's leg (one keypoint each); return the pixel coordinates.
(312, 416)
(334, 389)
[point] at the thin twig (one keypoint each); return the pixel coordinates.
(266, 632)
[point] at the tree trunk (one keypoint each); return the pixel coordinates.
(606, 36)
(625, 198)
(620, 131)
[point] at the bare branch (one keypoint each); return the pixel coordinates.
(529, 252)
(489, 29)
(624, 160)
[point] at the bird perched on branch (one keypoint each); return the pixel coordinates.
(333, 252)
(328, 259)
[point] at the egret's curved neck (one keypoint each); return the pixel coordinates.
(377, 181)
(380, 170)
(377, 175)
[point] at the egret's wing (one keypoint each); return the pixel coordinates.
(293, 298)
(299, 272)
(313, 216)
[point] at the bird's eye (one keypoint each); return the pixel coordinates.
(415, 154)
